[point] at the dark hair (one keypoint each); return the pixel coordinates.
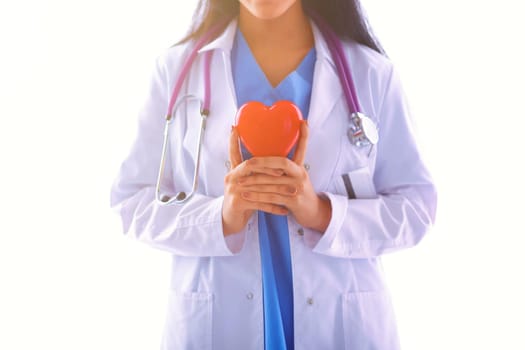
(345, 17)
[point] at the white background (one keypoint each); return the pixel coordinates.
(72, 75)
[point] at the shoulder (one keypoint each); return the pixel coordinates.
(364, 60)
(173, 57)
(376, 79)
(169, 64)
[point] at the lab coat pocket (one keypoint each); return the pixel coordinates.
(189, 318)
(356, 184)
(369, 322)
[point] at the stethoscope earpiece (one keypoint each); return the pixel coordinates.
(180, 196)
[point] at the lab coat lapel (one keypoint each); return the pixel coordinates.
(223, 96)
(327, 103)
(224, 41)
(326, 89)
(222, 110)
(326, 92)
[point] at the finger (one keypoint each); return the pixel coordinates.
(267, 165)
(243, 205)
(259, 166)
(258, 176)
(234, 149)
(259, 179)
(283, 190)
(300, 150)
(268, 208)
(274, 166)
(274, 209)
(268, 198)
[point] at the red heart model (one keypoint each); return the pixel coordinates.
(269, 131)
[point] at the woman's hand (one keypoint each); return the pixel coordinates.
(278, 185)
(236, 210)
(292, 190)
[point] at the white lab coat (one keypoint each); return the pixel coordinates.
(340, 297)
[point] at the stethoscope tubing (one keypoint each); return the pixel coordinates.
(182, 197)
(336, 50)
(186, 68)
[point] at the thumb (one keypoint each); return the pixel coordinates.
(300, 150)
(234, 149)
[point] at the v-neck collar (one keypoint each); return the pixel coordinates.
(250, 76)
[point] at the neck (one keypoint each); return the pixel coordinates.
(290, 30)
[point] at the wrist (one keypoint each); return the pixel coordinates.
(323, 215)
(229, 228)
(234, 225)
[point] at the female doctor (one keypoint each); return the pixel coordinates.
(278, 252)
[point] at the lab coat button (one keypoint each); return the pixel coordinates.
(300, 232)
(228, 165)
(249, 296)
(310, 301)
(307, 166)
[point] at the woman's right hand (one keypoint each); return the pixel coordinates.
(236, 211)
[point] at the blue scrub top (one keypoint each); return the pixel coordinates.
(251, 84)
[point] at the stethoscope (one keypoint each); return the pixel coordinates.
(362, 131)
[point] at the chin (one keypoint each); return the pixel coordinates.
(268, 9)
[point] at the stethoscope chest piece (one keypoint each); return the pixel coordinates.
(363, 131)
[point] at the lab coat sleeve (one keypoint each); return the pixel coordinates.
(405, 205)
(192, 229)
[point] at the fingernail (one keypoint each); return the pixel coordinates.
(292, 190)
(245, 195)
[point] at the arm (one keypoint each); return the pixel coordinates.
(192, 229)
(406, 203)
(334, 225)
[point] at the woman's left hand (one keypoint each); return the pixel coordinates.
(292, 189)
